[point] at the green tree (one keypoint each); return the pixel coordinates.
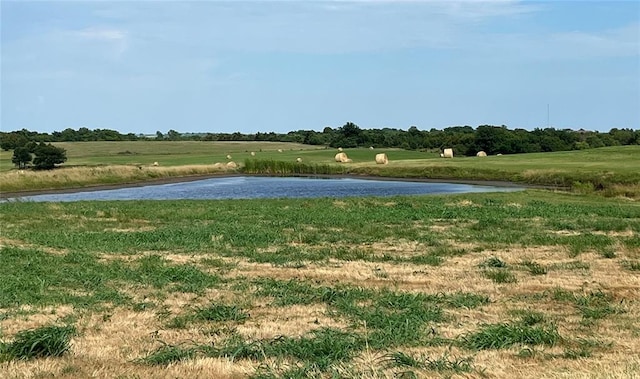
(21, 156)
(9, 141)
(173, 135)
(47, 156)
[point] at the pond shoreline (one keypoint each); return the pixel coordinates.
(183, 179)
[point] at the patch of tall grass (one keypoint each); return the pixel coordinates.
(45, 341)
(500, 336)
(284, 168)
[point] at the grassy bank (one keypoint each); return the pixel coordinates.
(515, 284)
(82, 177)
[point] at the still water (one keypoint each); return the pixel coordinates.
(263, 187)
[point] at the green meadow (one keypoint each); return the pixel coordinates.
(611, 171)
(528, 284)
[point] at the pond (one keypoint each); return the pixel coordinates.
(249, 187)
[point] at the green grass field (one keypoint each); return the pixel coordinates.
(612, 171)
(524, 284)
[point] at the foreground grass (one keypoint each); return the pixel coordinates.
(356, 287)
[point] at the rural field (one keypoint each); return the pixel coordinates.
(528, 284)
(611, 171)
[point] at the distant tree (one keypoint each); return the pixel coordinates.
(492, 139)
(21, 156)
(173, 135)
(159, 135)
(9, 141)
(348, 135)
(47, 156)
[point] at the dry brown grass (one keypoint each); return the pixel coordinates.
(107, 346)
(66, 177)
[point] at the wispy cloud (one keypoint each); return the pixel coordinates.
(102, 34)
(463, 9)
(620, 42)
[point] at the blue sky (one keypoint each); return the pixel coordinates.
(260, 66)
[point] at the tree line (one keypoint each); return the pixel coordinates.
(465, 140)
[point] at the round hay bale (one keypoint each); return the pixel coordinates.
(382, 158)
(299, 160)
(340, 149)
(232, 165)
(441, 155)
(228, 157)
(370, 147)
(253, 153)
(279, 150)
(156, 164)
(341, 157)
(481, 154)
(499, 155)
(218, 166)
(448, 153)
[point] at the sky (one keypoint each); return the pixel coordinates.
(280, 66)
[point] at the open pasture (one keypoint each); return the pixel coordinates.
(168, 153)
(613, 171)
(526, 284)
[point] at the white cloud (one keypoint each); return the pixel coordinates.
(116, 40)
(309, 27)
(102, 34)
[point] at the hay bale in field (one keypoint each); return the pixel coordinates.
(498, 155)
(481, 154)
(342, 158)
(218, 166)
(299, 160)
(156, 164)
(382, 158)
(340, 149)
(228, 157)
(448, 153)
(370, 147)
(279, 150)
(441, 155)
(232, 165)
(253, 153)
